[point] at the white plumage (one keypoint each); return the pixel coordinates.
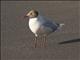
(34, 25)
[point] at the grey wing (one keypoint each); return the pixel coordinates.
(51, 25)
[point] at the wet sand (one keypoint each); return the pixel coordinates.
(17, 39)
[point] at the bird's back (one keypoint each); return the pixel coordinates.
(50, 24)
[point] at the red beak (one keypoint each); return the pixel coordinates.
(25, 16)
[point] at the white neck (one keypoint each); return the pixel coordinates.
(33, 18)
(36, 18)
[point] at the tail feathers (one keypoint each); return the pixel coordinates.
(60, 26)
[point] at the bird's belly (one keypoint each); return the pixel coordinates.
(34, 26)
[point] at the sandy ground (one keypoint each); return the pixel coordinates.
(17, 39)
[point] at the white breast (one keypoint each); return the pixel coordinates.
(34, 25)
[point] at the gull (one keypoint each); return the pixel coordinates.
(41, 26)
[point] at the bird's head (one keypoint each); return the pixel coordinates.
(32, 14)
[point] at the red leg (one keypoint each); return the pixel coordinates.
(45, 41)
(35, 42)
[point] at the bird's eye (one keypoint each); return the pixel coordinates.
(31, 13)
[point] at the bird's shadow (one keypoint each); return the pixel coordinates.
(70, 41)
